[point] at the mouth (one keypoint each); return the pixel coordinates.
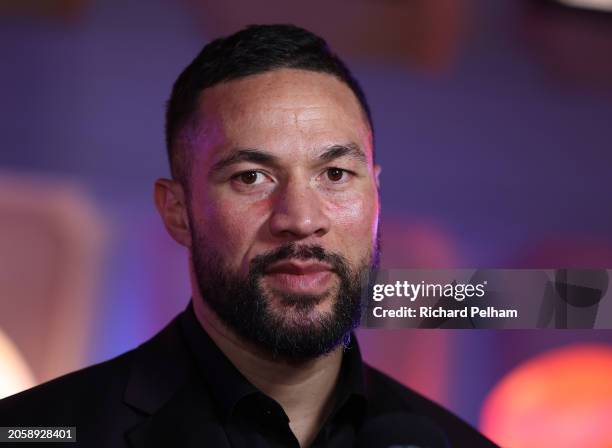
(299, 277)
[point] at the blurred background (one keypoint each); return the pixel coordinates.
(493, 127)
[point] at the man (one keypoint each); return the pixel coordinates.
(274, 191)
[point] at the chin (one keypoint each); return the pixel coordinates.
(300, 310)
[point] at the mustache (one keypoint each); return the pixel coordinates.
(291, 251)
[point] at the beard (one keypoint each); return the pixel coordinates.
(295, 332)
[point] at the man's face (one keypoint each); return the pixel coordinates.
(283, 208)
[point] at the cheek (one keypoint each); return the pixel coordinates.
(232, 226)
(356, 218)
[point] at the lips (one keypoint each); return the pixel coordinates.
(299, 277)
(296, 268)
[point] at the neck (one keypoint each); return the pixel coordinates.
(305, 389)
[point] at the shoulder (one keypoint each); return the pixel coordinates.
(113, 394)
(72, 398)
(386, 395)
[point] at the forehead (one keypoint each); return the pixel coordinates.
(285, 109)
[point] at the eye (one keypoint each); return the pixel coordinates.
(249, 177)
(336, 174)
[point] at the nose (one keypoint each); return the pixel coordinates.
(298, 212)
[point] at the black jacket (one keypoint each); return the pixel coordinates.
(155, 396)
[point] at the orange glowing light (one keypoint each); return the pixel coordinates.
(562, 398)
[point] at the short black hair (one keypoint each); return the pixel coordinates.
(253, 50)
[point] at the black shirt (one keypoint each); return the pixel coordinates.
(252, 419)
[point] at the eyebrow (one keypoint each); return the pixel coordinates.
(265, 158)
(349, 150)
(246, 155)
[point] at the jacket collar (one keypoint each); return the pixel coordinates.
(158, 368)
(162, 387)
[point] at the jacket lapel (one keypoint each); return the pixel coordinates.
(163, 387)
(184, 421)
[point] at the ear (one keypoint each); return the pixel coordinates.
(377, 170)
(171, 204)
